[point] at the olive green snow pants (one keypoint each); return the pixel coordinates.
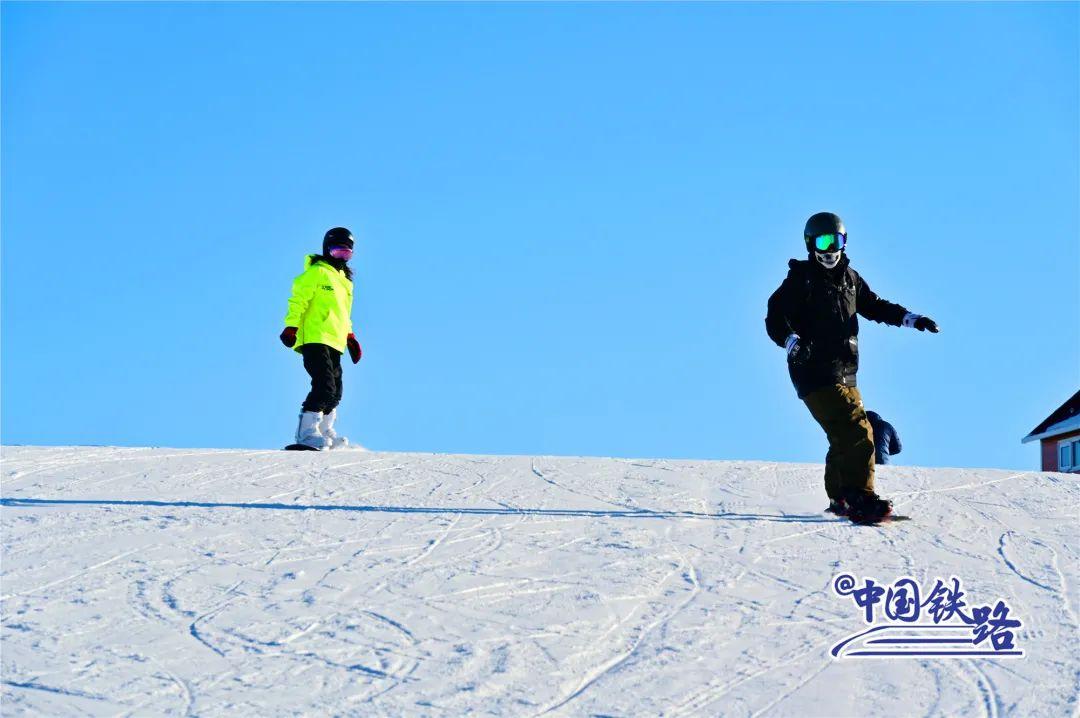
(849, 465)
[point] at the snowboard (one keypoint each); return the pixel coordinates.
(300, 447)
(888, 519)
(883, 520)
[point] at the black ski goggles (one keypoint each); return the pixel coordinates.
(829, 242)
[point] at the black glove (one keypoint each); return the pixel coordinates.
(926, 324)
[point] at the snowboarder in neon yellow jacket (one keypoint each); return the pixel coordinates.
(319, 327)
(320, 305)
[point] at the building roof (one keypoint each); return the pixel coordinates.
(1064, 419)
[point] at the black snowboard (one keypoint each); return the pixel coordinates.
(884, 520)
(300, 447)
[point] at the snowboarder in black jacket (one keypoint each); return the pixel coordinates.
(813, 315)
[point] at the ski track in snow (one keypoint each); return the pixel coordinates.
(172, 582)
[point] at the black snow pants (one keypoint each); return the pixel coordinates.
(323, 364)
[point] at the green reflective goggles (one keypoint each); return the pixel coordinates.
(830, 242)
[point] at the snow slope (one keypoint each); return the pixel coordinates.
(170, 582)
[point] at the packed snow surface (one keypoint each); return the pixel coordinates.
(267, 583)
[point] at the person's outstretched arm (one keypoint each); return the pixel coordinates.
(877, 309)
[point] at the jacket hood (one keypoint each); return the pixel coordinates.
(329, 262)
(316, 258)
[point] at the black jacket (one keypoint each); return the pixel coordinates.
(820, 305)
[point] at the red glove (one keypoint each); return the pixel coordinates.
(288, 337)
(354, 347)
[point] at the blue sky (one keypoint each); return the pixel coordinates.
(569, 218)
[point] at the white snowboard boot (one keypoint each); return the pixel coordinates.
(326, 427)
(307, 431)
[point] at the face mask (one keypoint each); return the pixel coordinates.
(342, 253)
(827, 259)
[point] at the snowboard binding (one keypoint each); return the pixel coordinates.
(868, 508)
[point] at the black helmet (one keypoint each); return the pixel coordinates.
(336, 237)
(822, 223)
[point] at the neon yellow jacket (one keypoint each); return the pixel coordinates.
(320, 305)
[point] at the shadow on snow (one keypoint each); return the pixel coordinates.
(504, 511)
